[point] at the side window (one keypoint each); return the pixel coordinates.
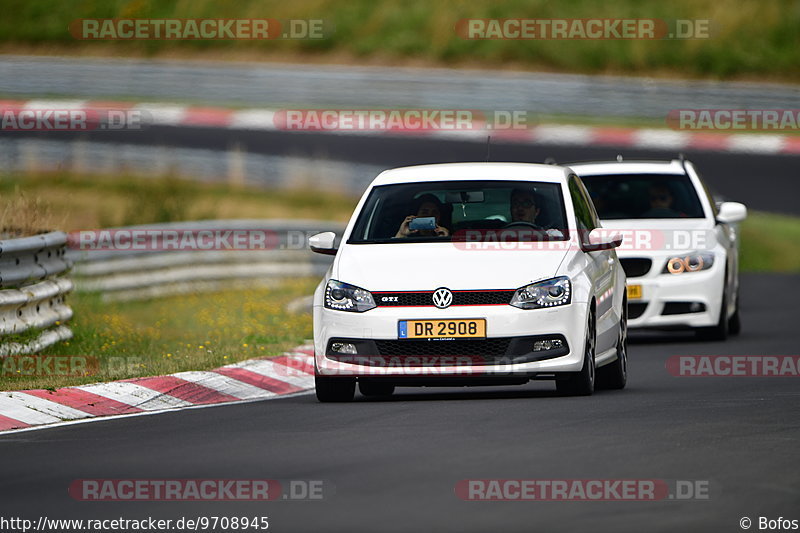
(707, 192)
(588, 199)
(585, 216)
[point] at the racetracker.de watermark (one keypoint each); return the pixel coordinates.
(48, 365)
(135, 29)
(734, 119)
(25, 366)
(54, 119)
(553, 490)
(197, 489)
(411, 365)
(188, 239)
(403, 120)
(733, 366)
(526, 239)
(582, 29)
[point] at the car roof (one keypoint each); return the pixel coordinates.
(473, 171)
(628, 167)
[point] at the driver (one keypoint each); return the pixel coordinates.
(662, 202)
(523, 208)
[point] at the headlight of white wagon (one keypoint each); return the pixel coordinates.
(691, 262)
(346, 297)
(548, 293)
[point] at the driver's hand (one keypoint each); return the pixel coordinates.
(441, 231)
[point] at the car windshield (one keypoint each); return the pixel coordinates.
(625, 196)
(442, 211)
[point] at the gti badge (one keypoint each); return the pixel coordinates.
(442, 298)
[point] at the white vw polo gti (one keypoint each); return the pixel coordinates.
(470, 274)
(681, 251)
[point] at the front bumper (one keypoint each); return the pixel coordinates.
(507, 351)
(688, 300)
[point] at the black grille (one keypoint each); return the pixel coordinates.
(636, 267)
(485, 348)
(425, 298)
(635, 310)
(503, 351)
(681, 308)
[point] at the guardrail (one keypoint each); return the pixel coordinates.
(126, 274)
(349, 87)
(32, 293)
(83, 156)
(33, 282)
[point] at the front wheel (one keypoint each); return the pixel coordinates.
(582, 383)
(615, 375)
(735, 321)
(336, 389)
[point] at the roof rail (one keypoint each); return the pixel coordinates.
(682, 159)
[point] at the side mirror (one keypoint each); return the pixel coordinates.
(323, 243)
(730, 212)
(602, 239)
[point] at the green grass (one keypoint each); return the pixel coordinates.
(770, 243)
(753, 40)
(162, 336)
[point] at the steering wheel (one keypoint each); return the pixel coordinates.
(522, 223)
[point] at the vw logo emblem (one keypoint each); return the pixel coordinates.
(442, 298)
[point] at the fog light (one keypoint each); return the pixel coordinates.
(547, 344)
(695, 307)
(344, 347)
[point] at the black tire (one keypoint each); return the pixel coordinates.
(720, 331)
(375, 388)
(615, 375)
(582, 383)
(735, 321)
(335, 389)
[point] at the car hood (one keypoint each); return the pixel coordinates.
(428, 266)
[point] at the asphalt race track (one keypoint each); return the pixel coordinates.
(392, 465)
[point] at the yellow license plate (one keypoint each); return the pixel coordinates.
(634, 292)
(442, 329)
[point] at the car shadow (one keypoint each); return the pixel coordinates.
(406, 394)
(662, 337)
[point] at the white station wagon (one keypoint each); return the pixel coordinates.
(470, 274)
(681, 254)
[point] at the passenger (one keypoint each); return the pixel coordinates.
(427, 206)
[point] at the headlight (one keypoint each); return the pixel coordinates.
(548, 293)
(345, 297)
(691, 262)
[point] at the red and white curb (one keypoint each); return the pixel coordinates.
(264, 119)
(254, 379)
